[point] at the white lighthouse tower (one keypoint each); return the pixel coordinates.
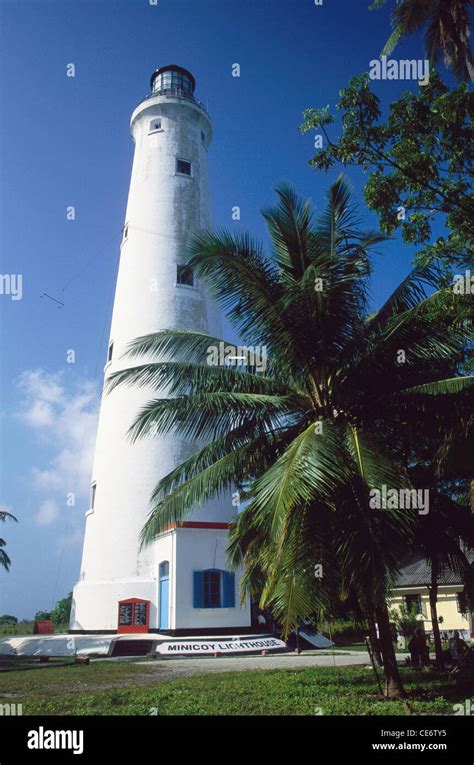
(181, 583)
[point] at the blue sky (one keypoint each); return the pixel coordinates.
(65, 141)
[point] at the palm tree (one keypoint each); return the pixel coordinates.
(4, 558)
(446, 31)
(306, 436)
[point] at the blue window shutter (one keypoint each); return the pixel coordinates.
(198, 589)
(229, 589)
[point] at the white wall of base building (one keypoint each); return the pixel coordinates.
(95, 603)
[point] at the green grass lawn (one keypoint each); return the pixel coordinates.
(26, 628)
(363, 647)
(351, 647)
(126, 688)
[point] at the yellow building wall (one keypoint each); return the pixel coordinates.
(447, 607)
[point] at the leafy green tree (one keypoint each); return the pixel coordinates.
(5, 561)
(304, 435)
(8, 619)
(62, 610)
(42, 615)
(405, 620)
(419, 160)
(446, 31)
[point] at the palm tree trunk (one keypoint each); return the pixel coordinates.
(374, 641)
(393, 682)
(433, 592)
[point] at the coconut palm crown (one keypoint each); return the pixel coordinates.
(446, 31)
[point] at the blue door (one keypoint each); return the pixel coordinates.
(163, 601)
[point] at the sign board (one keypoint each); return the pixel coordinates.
(133, 615)
(240, 645)
(125, 614)
(140, 614)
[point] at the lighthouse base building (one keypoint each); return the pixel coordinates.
(189, 591)
(180, 584)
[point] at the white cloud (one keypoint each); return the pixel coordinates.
(48, 512)
(62, 410)
(39, 414)
(43, 386)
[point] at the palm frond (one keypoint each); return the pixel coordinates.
(407, 295)
(441, 387)
(310, 468)
(392, 41)
(289, 227)
(179, 378)
(178, 344)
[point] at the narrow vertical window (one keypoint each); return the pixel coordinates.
(93, 491)
(184, 275)
(110, 351)
(212, 589)
(183, 167)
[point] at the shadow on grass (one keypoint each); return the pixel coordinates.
(420, 685)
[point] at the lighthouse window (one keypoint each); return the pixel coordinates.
(110, 352)
(183, 167)
(155, 125)
(214, 588)
(93, 489)
(184, 275)
(172, 79)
